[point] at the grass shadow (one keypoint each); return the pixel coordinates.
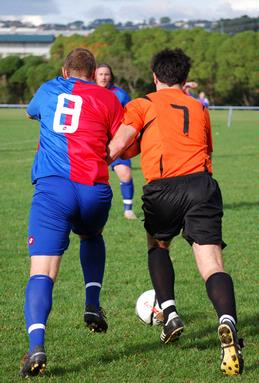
(241, 205)
(201, 339)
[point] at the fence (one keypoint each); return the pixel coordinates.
(13, 106)
(212, 107)
(230, 111)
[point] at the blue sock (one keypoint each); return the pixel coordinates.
(38, 302)
(127, 192)
(92, 257)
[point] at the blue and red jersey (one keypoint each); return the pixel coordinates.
(77, 120)
(124, 98)
(122, 95)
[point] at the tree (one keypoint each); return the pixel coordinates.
(63, 45)
(18, 81)
(236, 81)
(224, 66)
(9, 65)
(152, 21)
(145, 43)
(165, 20)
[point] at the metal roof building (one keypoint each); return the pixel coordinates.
(25, 44)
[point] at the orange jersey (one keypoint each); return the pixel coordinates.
(175, 133)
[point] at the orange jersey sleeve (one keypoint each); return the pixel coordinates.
(135, 113)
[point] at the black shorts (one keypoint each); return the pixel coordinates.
(191, 203)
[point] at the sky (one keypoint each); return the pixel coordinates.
(65, 11)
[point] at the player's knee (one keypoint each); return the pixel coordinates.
(123, 172)
(45, 265)
(158, 245)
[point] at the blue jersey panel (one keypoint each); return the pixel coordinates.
(52, 156)
(122, 95)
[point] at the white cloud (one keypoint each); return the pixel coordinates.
(247, 5)
(35, 20)
(64, 11)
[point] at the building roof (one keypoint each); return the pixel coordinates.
(17, 38)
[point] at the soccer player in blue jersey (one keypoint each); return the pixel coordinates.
(203, 99)
(104, 77)
(70, 173)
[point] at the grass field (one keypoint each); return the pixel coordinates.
(131, 352)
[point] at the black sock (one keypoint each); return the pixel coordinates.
(220, 290)
(162, 276)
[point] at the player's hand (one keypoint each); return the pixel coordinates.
(189, 85)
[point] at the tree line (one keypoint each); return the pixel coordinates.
(225, 67)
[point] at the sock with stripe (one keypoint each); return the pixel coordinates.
(127, 192)
(162, 276)
(220, 290)
(38, 303)
(92, 257)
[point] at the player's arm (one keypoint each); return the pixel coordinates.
(33, 109)
(122, 140)
(189, 85)
(30, 117)
(209, 133)
(124, 143)
(132, 151)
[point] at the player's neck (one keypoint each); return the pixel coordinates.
(165, 86)
(80, 76)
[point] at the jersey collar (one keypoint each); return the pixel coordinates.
(80, 80)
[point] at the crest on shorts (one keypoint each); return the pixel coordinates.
(30, 240)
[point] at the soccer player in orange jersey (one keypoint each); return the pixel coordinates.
(172, 131)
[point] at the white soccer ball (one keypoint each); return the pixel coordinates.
(148, 310)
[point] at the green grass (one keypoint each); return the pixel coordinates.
(130, 351)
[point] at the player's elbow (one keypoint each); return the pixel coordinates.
(30, 117)
(132, 151)
(114, 149)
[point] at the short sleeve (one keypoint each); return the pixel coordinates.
(134, 114)
(34, 107)
(125, 99)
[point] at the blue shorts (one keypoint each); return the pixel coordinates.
(120, 161)
(59, 206)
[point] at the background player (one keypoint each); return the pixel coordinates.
(203, 99)
(122, 167)
(77, 119)
(176, 146)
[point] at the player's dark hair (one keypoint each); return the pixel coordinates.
(171, 66)
(80, 60)
(110, 69)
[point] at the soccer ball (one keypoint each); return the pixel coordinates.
(148, 310)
